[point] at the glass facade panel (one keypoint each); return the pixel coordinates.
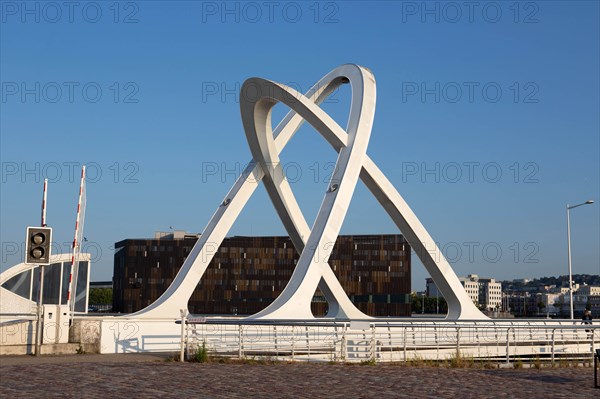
(65, 282)
(36, 284)
(20, 284)
(52, 284)
(82, 285)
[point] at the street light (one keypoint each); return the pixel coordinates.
(569, 251)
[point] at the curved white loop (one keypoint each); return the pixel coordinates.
(265, 146)
(177, 295)
(294, 301)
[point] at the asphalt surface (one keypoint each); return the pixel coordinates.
(154, 376)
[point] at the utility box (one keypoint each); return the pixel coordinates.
(56, 324)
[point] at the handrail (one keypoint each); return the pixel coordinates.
(420, 323)
(336, 341)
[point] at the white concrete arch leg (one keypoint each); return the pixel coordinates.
(176, 297)
(460, 305)
(280, 192)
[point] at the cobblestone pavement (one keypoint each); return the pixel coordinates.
(108, 376)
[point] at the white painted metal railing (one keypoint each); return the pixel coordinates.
(549, 341)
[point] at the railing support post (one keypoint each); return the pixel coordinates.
(457, 343)
(307, 342)
(373, 343)
(293, 341)
(508, 345)
(183, 313)
(592, 343)
(552, 359)
(240, 342)
(344, 348)
(404, 343)
(275, 336)
(596, 359)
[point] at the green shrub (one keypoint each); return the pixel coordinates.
(518, 364)
(370, 362)
(459, 361)
(201, 355)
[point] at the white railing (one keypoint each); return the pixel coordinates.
(395, 342)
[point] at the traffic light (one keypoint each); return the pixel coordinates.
(37, 247)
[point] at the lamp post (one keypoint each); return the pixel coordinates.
(569, 251)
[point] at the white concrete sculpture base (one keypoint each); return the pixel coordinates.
(258, 96)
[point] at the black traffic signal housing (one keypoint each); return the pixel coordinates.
(38, 245)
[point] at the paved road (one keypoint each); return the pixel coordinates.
(151, 376)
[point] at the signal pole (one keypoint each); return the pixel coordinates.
(38, 330)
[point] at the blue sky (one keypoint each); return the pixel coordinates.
(487, 120)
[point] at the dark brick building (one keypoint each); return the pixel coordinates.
(248, 273)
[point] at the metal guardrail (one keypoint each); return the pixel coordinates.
(365, 341)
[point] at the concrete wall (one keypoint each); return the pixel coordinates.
(13, 303)
(17, 337)
(120, 335)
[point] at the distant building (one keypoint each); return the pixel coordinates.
(248, 273)
(491, 291)
(550, 297)
(431, 290)
(580, 303)
(584, 297)
(560, 290)
(472, 287)
(526, 304)
(588, 290)
(551, 303)
(484, 292)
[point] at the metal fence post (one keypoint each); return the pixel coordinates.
(596, 357)
(390, 341)
(404, 343)
(293, 340)
(240, 342)
(275, 336)
(437, 342)
(373, 343)
(344, 348)
(183, 330)
(592, 343)
(478, 342)
(457, 343)
(552, 358)
(508, 345)
(307, 342)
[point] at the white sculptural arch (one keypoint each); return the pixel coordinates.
(312, 269)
